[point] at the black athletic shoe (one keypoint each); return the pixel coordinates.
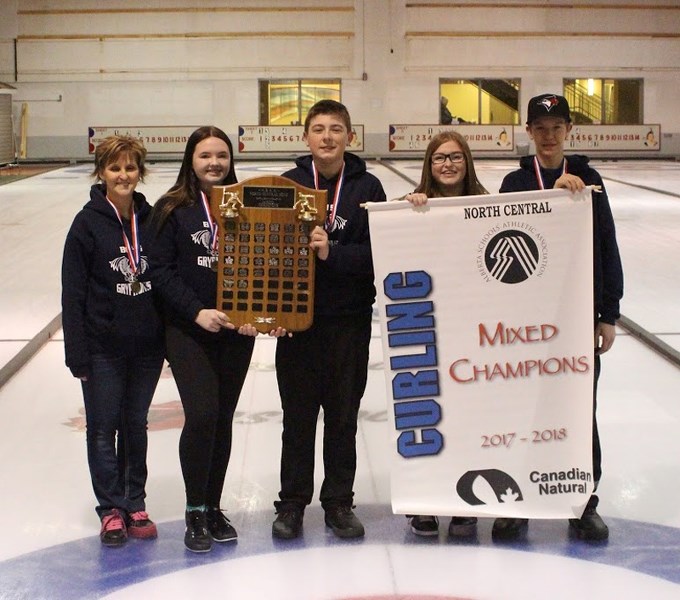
(590, 527)
(219, 527)
(196, 536)
(463, 526)
(343, 522)
(113, 531)
(425, 525)
(509, 529)
(288, 524)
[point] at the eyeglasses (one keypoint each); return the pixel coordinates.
(454, 157)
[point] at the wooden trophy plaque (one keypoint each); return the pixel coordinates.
(265, 269)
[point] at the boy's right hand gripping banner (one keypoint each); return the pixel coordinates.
(486, 308)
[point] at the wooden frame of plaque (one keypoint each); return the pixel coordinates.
(265, 269)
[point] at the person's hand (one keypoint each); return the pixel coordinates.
(319, 242)
(248, 329)
(570, 182)
(213, 320)
(416, 199)
(280, 332)
(605, 334)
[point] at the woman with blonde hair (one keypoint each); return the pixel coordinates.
(113, 335)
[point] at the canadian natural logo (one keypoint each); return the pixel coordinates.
(488, 487)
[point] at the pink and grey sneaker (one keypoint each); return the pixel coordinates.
(140, 526)
(113, 532)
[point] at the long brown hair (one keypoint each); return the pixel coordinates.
(185, 190)
(429, 186)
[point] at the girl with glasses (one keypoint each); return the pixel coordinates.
(448, 171)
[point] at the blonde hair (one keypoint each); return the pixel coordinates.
(110, 149)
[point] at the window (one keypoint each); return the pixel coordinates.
(481, 101)
(287, 101)
(604, 101)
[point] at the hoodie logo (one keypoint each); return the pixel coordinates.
(122, 265)
(202, 238)
(131, 287)
(338, 224)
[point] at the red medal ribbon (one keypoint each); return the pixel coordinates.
(214, 227)
(330, 216)
(537, 169)
(132, 250)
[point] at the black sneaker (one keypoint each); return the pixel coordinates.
(139, 525)
(590, 527)
(343, 522)
(463, 526)
(288, 523)
(113, 531)
(196, 536)
(508, 528)
(219, 527)
(425, 525)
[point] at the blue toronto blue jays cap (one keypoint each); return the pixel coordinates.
(548, 105)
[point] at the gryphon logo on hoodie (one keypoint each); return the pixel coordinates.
(122, 265)
(338, 224)
(202, 238)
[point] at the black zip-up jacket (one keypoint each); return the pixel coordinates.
(103, 311)
(344, 281)
(607, 269)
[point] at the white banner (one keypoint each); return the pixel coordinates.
(486, 307)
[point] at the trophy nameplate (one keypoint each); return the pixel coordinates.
(265, 267)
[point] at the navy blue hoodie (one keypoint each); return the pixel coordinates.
(102, 313)
(182, 275)
(607, 270)
(344, 281)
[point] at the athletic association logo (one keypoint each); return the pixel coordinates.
(488, 487)
(513, 254)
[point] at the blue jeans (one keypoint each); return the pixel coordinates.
(117, 397)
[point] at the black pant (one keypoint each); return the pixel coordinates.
(323, 367)
(209, 374)
(597, 451)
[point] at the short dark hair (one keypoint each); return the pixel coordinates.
(329, 107)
